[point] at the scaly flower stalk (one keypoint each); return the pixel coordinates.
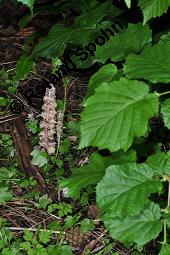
(48, 123)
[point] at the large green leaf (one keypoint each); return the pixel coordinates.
(95, 15)
(57, 7)
(116, 113)
(120, 157)
(152, 64)
(93, 172)
(84, 176)
(58, 37)
(140, 228)
(165, 110)
(104, 74)
(23, 67)
(124, 189)
(84, 57)
(130, 40)
(153, 8)
(82, 33)
(165, 250)
(160, 163)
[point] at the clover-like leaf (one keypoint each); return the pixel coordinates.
(44, 201)
(124, 189)
(5, 173)
(140, 228)
(153, 64)
(59, 250)
(3, 101)
(5, 195)
(116, 113)
(40, 158)
(45, 236)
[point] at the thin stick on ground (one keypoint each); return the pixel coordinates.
(35, 229)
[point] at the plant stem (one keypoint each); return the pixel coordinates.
(65, 100)
(162, 94)
(34, 230)
(5, 159)
(168, 193)
(164, 241)
(64, 107)
(168, 204)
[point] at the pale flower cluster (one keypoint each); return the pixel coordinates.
(48, 122)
